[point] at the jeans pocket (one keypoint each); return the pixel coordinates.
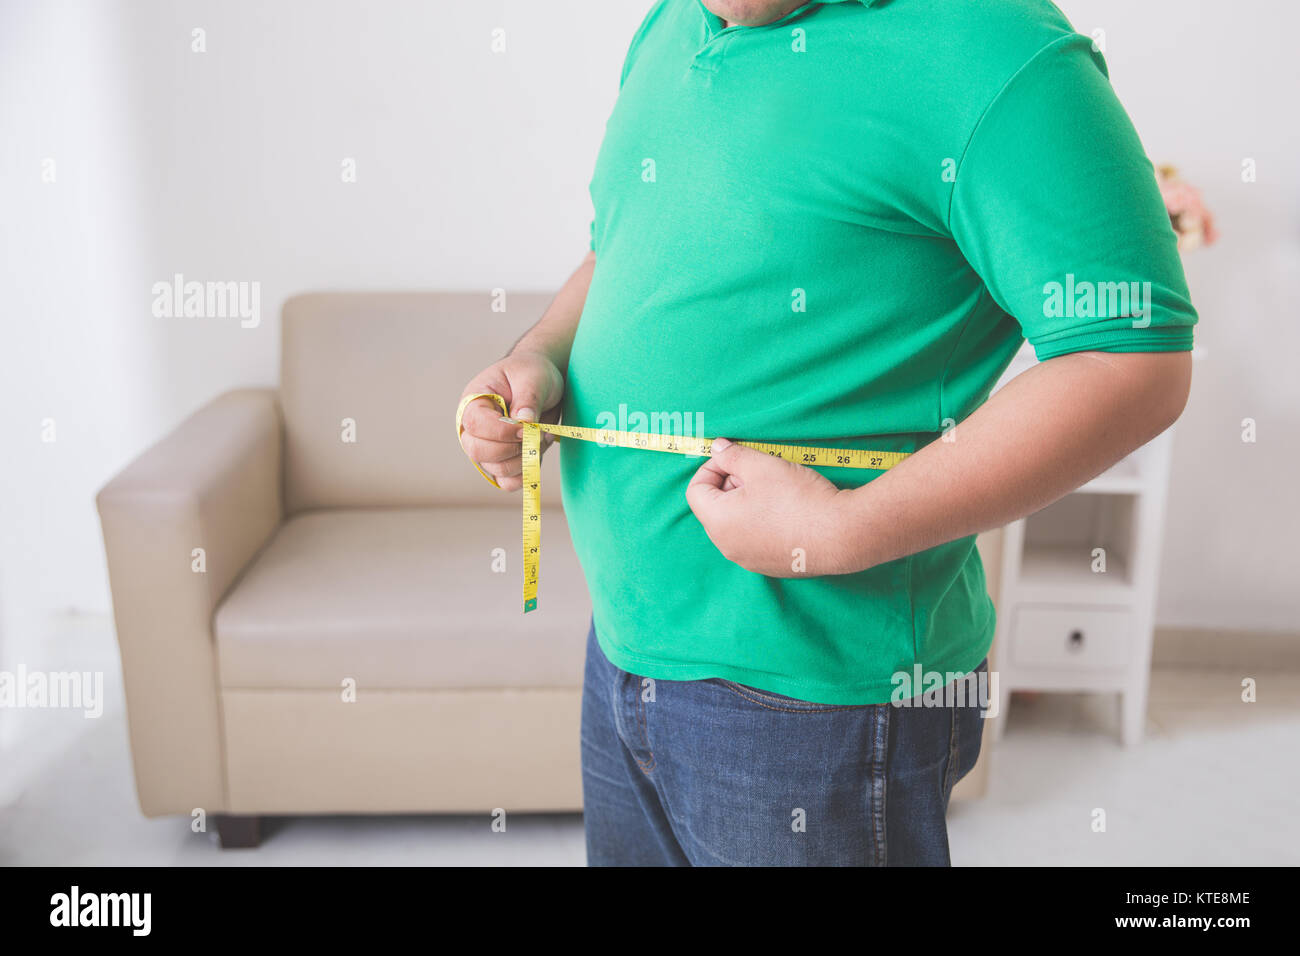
(773, 701)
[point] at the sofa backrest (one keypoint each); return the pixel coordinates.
(393, 365)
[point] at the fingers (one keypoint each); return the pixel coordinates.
(730, 466)
(484, 437)
(709, 475)
(510, 468)
(482, 420)
(494, 444)
(710, 482)
(528, 383)
(525, 410)
(510, 483)
(535, 388)
(741, 462)
(507, 474)
(488, 451)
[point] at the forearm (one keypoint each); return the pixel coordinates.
(1046, 433)
(553, 334)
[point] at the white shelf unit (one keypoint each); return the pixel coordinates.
(1063, 623)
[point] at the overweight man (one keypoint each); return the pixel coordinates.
(832, 224)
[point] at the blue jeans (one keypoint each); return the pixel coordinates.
(715, 773)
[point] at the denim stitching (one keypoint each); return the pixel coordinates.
(646, 766)
(771, 703)
(948, 780)
(879, 790)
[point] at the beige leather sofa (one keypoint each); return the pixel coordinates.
(304, 587)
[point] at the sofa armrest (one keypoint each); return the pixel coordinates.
(212, 484)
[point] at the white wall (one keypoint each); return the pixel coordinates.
(75, 348)
(472, 172)
(1209, 84)
(472, 169)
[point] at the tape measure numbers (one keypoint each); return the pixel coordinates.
(673, 444)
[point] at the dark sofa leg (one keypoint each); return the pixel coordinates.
(238, 833)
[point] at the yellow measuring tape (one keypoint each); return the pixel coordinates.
(676, 444)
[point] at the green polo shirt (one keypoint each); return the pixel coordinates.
(837, 229)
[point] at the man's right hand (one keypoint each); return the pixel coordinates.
(532, 386)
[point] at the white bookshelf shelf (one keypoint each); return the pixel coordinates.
(1060, 573)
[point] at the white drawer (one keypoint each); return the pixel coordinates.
(1072, 637)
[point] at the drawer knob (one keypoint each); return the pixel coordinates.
(1076, 640)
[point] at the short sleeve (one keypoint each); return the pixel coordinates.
(1056, 206)
(592, 230)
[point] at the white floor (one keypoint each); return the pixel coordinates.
(1216, 782)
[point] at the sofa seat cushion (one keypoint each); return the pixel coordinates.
(404, 598)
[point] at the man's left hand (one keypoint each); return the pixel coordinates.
(770, 516)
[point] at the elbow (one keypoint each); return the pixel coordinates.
(1151, 388)
(1176, 387)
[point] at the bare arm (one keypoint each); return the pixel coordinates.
(553, 334)
(1046, 433)
(530, 379)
